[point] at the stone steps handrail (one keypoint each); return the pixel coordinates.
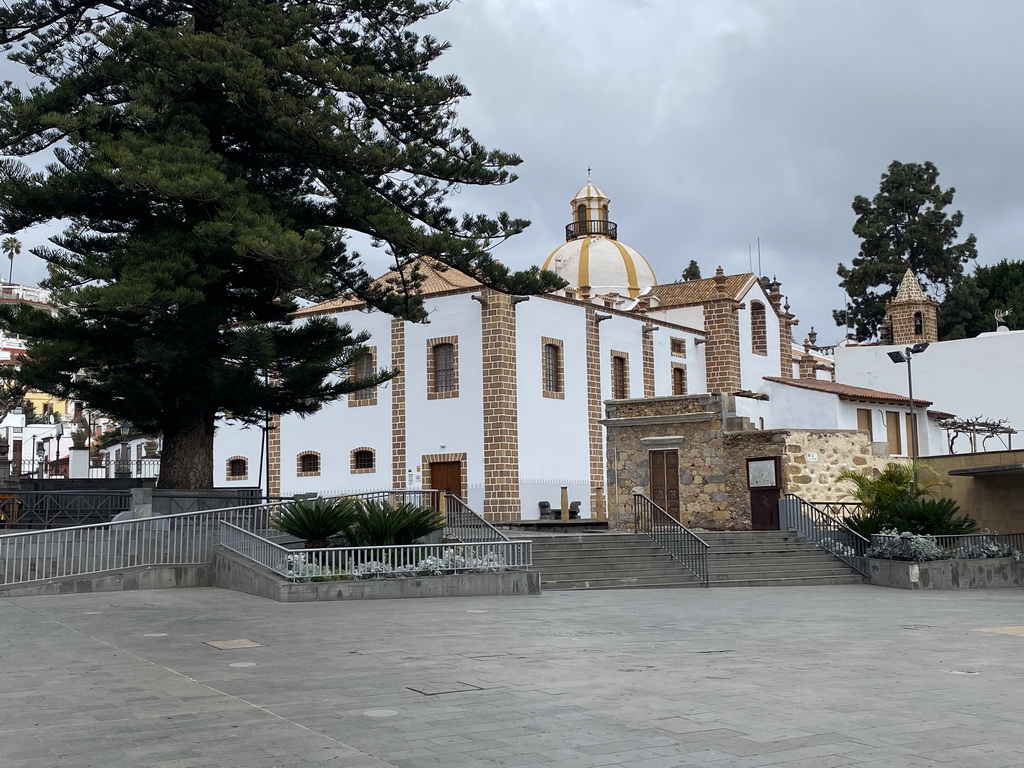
(675, 538)
(811, 521)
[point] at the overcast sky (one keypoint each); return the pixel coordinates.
(711, 123)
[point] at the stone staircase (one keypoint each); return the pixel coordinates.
(772, 559)
(605, 561)
(735, 559)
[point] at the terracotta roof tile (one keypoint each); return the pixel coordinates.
(698, 291)
(848, 392)
(435, 281)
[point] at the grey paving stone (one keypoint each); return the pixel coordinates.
(825, 677)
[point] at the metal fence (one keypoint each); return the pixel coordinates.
(812, 521)
(185, 539)
(376, 562)
(672, 536)
(420, 498)
(60, 509)
(969, 545)
(463, 524)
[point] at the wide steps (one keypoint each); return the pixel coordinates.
(735, 558)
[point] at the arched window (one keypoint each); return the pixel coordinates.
(581, 213)
(604, 213)
(238, 468)
(758, 328)
(918, 324)
(309, 463)
(363, 460)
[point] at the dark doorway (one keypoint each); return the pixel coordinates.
(664, 466)
(446, 477)
(765, 485)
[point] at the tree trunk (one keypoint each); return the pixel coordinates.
(187, 459)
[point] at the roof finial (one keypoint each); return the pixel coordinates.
(588, 174)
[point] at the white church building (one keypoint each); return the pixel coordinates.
(500, 398)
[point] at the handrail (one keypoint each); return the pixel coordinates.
(675, 538)
(828, 532)
(404, 560)
(463, 524)
(187, 538)
(423, 498)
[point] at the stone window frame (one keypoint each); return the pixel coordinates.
(677, 346)
(546, 376)
(619, 392)
(681, 368)
(758, 328)
(354, 467)
(300, 464)
(229, 466)
(432, 391)
(367, 395)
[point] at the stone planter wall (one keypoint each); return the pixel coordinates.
(948, 574)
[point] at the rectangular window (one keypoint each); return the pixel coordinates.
(864, 422)
(892, 427)
(552, 372)
(620, 375)
(442, 367)
(678, 347)
(364, 368)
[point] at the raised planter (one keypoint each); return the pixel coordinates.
(230, 571)
(985, 573)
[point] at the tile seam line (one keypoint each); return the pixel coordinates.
(383, 763)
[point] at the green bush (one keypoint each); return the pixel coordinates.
(316, 521)
(892, 485)
(378, 524)
(934, 517)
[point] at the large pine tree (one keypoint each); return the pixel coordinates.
(209, 158)
(906, 225)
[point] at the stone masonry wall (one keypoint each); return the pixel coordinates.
(814, 458)
(501, 426)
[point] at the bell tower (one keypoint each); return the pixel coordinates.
(911, 317)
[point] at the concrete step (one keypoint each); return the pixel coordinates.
(809, 581)
(622, 582)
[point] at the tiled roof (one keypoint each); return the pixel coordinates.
(848, 392)
(434, 281)
(698, 291)
(910, 288)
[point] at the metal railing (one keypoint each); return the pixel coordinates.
(672, 536)
(420, 498)
(463, 524)
(60, 509)
(376, 562)
(185, 539)
(591, 227)
(812, 521)
(969, 545)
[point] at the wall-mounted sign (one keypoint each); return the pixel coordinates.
(811, 456)
(763, 473)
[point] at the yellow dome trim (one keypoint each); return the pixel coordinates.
(627, 260)
(584, 262)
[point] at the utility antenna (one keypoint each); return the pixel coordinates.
(750, 259)
(759, 255)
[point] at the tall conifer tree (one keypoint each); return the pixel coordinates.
(210, 158)
(905, 225)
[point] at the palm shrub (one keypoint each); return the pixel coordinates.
(316, 521)
(380, 524)
(880, 494)
(934, 517)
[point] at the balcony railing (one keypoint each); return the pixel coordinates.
(592, 227)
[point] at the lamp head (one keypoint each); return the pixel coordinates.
(897, 357)
(920, 347)
(126, 427)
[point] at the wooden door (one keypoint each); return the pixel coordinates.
(764, 481)
(446, 477)
(664, 467)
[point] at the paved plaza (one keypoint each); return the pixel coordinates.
(730, 678)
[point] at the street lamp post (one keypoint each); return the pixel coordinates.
(905, 357)
(123, 468)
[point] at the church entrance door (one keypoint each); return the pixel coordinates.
(446, 477)
(664, 468)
